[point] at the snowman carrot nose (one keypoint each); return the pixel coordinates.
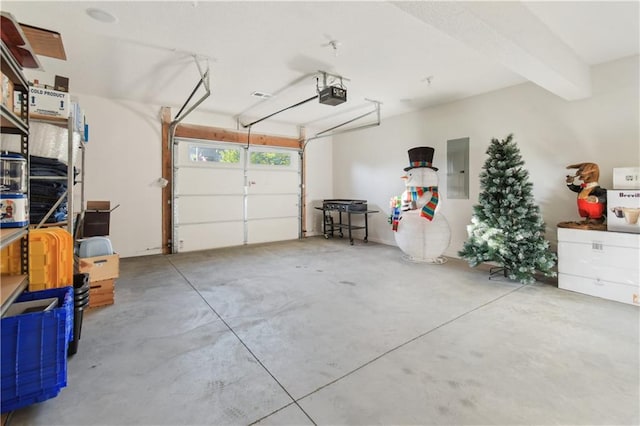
(404, 177)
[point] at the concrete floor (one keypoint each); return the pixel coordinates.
(320, 332)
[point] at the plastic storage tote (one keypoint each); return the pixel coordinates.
(50, 258)
(34, 350)
(94, 246)
(11, 259)
(64, 255)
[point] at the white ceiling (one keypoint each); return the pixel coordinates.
(388, 51)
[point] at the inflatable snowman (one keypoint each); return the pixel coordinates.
(420, 231)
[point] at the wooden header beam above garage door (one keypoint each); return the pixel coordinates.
(192, 131)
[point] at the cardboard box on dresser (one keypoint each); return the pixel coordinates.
(623, 202)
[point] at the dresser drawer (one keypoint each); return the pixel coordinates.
(609, 263)
(605, 238)
(604, 289)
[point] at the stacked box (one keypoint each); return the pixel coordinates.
(34, 350)
(103, 271)
(623, 210)
(48, 102)
(102, 293)
(97, 218)
(626, 178)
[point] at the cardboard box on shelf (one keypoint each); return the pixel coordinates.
(7, 91)
(61, 83)
(17, 101)
(48, 102)
(100, 268)
(626, 178)
(97, 217)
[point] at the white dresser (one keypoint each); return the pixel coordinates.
(600, 263)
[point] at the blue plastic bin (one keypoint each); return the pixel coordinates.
(34, 350)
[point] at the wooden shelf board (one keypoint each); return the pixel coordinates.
(11, 120)
(12, 69)
(49, 119)
(12, 286)
(49, 225)
(9, 235)
(44, 42)
(17, 43)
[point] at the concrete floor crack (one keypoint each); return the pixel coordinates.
(413, 339)
(294, 401)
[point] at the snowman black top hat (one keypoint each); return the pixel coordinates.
(421, 156)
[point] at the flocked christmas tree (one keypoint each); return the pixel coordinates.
(506, 226)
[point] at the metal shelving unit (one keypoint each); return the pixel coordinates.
(70, 178)
(13, 285)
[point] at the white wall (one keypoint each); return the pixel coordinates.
(123, 164)
(319, 166)
(551, 134)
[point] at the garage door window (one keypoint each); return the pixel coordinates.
(271, 158)
(199, 153)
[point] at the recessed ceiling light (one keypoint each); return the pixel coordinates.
(101, 15)
(261, 95)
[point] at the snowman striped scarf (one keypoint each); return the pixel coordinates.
(394, 220)
(429, 209)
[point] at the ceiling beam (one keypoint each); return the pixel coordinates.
(509, 33)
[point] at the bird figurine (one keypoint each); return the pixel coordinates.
(592, 198)
(420, 231)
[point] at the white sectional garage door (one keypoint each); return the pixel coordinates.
(228, 195)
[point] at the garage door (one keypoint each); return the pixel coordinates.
(228, 195)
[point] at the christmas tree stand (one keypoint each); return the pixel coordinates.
(498, 270)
